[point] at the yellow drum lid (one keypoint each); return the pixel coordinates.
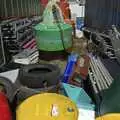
(47, 106)
(109, 116)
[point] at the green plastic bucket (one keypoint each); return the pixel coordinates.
(48, 37)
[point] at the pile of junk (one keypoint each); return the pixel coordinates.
(39, 90)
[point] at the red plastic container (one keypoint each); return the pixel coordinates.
(5, 113)
(44, 3)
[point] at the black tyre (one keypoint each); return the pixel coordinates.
(39, 75)
(8, 88)
(25, 92)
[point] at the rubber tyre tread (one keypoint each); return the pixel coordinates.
(32, 80)
(9, 87)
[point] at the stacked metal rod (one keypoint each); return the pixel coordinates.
(99, 75)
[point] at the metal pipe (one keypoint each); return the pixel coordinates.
(105, 70)
(96, 78)
(93, 82)
(99, 72)
(100, 79)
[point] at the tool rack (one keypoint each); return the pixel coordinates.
(15, 33)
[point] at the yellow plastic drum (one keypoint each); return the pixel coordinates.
(110, 116)
(47, 106)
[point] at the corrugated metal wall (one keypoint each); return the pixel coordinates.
(101, 14)
(19, 8)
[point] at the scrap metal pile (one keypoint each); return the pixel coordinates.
(99, 75)
(41, 91)
(107, 43)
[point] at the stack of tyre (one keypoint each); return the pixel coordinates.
(37, 78)
(32, 79)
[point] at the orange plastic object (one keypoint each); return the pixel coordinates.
(64, 5)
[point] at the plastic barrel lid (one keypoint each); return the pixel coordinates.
(47, 106)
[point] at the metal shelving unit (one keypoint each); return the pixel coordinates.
(22, 33)
(2, 51)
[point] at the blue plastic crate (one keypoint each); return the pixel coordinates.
(72, 59)
(66, 78)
